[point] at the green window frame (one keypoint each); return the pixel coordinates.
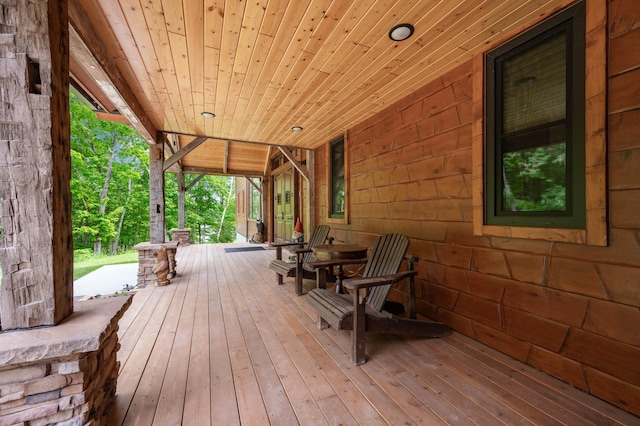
(337, 188)
(255, 200)
(535, 126)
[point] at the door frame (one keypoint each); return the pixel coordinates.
(286, 168)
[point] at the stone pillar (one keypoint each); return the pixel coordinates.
(147, 261)
(181, 235)
(172, 249)
(35, 164)
(156, 194)
(66, 375)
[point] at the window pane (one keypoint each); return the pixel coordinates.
(533, 142)
(534, 86)
(337, 178)
(255, 201)
(535, 179)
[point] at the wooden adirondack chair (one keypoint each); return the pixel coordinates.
(363, 309)
(304, 255)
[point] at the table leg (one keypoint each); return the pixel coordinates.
(339, 275)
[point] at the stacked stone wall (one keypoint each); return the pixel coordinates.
(74, 390)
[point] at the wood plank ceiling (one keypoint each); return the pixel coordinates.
(263, 66)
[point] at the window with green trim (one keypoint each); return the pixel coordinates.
(255, 201)
(337, 179)
(535, 137)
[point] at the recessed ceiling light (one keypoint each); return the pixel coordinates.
(401, 32)
(297, 128)
(207, 114)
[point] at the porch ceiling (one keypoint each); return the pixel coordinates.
(265, 66)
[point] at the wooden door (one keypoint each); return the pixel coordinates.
(284, 205)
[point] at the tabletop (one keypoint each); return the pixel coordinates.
(339, 251)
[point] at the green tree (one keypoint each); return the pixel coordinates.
(534, 179)
(106, 156)
(209, 205)
(110, 189)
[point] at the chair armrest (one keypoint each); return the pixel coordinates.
(287, 244)
(358, 283)
(302, 250)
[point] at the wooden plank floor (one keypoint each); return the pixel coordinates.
(223, 344)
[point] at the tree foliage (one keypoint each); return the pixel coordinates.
(110, 189)
(535, 179)
(95, 213)
(209, 208)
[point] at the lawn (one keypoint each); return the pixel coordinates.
(90, 264)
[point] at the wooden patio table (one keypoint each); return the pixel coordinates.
(328, 252)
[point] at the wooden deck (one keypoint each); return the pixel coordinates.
(223, 344)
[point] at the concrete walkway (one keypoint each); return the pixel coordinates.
(106, 280)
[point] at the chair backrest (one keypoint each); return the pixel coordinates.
(318, 237)
(386, 257)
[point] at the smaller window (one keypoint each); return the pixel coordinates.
(337, 197)
(256, 200)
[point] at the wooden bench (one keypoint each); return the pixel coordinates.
(304, 254)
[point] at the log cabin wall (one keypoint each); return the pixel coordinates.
(571, 310)
(241, 206)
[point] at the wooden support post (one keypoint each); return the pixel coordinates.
(35, 165)
(156, 194)
(181, 194)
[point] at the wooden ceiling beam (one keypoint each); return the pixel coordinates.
(253, 183)
(89, 51)
(218, 172)
(114, 118)
(266, 161)
(225, 160)
(299, 166)
(183, 151)
(169, 143)
(193, 182)
(220, 138)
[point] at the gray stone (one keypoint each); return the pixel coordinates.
(43, 397)
(83, 331)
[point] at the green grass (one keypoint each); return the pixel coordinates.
(84, 266)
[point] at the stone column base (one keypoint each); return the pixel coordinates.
(181, 235)
(66, 373)
(147, 260)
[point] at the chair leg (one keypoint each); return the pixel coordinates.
(299, 275)
(358, 342)
(321, 278)
(322, 324)
(278, 257)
